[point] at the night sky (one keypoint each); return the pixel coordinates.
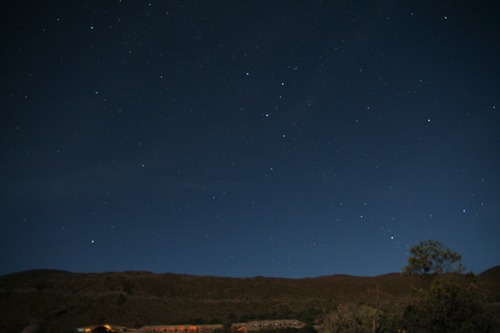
(285, 138)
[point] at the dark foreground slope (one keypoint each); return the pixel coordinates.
(64, 300)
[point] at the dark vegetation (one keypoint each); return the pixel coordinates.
(64, 300)
(449, 301)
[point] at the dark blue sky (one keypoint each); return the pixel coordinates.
(243, 138)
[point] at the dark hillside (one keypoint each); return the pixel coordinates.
(490, 280)
(66, 300)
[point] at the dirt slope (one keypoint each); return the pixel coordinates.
(64, 300)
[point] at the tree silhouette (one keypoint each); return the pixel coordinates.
(431, 258)
(452, 302)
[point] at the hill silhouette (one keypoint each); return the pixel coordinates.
(65, 300)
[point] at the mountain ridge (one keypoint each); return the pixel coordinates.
(65, 300)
